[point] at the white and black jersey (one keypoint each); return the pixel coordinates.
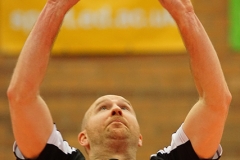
(58, 149)
(55, 149)
(181, 149)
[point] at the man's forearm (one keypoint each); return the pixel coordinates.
(206, 68)
(33, 60)
(204, 61)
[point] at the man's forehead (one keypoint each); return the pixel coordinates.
(110, 98)
(103, 99)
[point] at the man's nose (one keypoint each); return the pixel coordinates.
(116, 110)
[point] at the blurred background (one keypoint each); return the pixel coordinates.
(132, 49)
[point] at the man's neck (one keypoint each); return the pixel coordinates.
(112, 156)
(106, 157)
(115, 151)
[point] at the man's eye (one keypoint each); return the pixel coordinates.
(103, 108)
(124, 108)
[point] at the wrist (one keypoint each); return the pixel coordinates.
(57, 8)
(181, 12)
(184, 18)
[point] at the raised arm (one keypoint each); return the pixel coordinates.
(31, 119)
(205, 122)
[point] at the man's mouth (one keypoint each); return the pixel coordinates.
(115, 121)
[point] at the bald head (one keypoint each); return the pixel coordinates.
(105, 100)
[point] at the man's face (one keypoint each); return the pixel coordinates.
(112, 118)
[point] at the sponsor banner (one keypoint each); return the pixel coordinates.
(235, 24)
(96, 27)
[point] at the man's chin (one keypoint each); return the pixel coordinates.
(118, 133)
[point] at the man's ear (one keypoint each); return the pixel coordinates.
(140, 141)
(82, 139)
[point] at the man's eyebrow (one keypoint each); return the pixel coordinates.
(127, 102)
(101, 101)
(105, 100)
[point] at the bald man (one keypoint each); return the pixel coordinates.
(110, 129)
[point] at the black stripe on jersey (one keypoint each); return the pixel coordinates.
(51, 152)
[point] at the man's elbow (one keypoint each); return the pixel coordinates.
(16, 96)
(228, 98)
(224, 101)
(12, 95)
(219, 101)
